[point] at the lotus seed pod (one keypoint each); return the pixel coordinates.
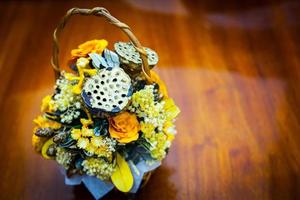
(130, 57)
(108, 91)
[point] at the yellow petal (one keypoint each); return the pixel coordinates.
(76, 134)
(82, 143)
(71, 77)
(38, 142)
(171, 109)
(90, 72)
(113, 133)
(82, 62)
(51, 106)
(45, 103)
(170, 137)
(90, 46)
(43, 122)
(39, 121)
(122, 177)
(86, 122)
(97, 141)
(77, 88)
(128, 139)
(167, 125)
(87, 132)
(91, 148)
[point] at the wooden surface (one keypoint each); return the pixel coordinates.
(232, 67)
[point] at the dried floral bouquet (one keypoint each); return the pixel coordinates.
(107, 123)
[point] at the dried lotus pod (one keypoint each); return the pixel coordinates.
(108, 91)
(130, 57)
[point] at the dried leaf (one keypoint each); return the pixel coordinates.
(96, 59)
(112, 59)
(109, 59)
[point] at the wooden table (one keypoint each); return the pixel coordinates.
(233, 68)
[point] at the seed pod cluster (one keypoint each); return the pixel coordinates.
(109, 90)
(130, 57)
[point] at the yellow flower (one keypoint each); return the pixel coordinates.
(82, 64)
(98, 147)
(91, 148)
(97, 141)
(169, 130)
(83, 143)
(124, 127)
(86, 122)
(92, 46)
(148, 129)
(86, 132)
(103, 151)
(159, 144)
(171, 109)
(42, 122)
(162, 86)
(76, 134)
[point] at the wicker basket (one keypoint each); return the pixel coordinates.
(100, 12)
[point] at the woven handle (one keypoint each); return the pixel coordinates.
(98, 11)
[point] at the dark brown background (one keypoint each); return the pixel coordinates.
(232, 67)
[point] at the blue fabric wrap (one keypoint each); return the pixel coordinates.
(99, 188)
(139, 170)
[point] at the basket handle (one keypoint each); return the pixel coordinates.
(97, 11)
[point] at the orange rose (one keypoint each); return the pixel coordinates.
(92, 46)
(124, 127)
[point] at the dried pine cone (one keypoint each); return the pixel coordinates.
(44, 132)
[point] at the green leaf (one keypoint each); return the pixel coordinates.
(122, 177)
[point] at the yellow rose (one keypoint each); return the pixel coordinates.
(124, 127)
(93, 46)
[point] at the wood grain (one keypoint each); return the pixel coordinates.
(233, 68)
